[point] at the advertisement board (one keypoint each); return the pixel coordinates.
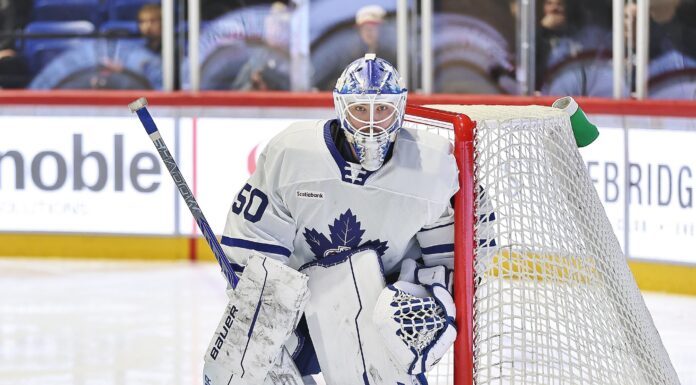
(661, 219)
(660, 187)
(82, 174)
(102, 175)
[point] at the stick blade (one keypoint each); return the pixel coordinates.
(138, 104)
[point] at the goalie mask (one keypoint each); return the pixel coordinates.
(370, 101)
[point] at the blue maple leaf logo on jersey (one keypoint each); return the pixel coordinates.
(345, 234)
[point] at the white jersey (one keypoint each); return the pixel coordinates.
(305, 202)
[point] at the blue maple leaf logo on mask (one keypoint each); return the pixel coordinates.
(345, 234)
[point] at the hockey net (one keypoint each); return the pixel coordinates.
(544, 294)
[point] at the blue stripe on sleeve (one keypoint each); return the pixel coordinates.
(437, 249)
(251, 245)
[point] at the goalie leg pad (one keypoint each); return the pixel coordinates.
(345, 288)
(262, 313)
(283, 372)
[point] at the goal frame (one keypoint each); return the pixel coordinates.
(464, 220)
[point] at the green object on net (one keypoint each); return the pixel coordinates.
(584, 131)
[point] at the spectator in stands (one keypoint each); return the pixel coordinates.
(14, 70)
(471, 55)
(368, 21)
(672, 51)
(339, 50)
(554, 31)
(573, 55)
(268, 67)
(150, 26)
(110, 62)
(671, 27)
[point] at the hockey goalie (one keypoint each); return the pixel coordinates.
(362, 207)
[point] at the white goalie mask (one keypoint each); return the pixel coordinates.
(370, 101)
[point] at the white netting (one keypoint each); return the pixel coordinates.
(555, 301)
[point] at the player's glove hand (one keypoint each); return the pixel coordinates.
(416, 317)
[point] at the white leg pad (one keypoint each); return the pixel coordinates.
(282, 372)
(339, 316)
(263, 310)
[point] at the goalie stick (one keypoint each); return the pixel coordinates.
(139, 107)
(270, 311)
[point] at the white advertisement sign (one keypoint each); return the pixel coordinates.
(661, 182)
(661, 179)
(82, 174)
(102, 175)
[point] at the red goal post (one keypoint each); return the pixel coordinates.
(463, 287)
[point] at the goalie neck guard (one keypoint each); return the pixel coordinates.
(370, 100)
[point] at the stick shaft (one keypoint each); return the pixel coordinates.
(187, 195)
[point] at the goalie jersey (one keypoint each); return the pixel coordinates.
(305, 201)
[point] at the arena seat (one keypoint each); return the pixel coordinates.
(675, 84)
(41, 50)
(67, 10)
(120, 27)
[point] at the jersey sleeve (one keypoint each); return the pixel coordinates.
(258, 220)
(486, 222)
(436, 240)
